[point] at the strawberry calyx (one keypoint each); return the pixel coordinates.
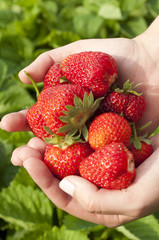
(143, 127)
(61, 141)
(63, 79)
(76, 116)
(128, 87)
(137, 140)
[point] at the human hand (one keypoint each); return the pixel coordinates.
(110, 208)
(84, 200)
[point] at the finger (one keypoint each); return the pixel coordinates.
(43, 62)
(23, 152)
(50, 186)
(15, 122)
(45, 180)
(129, 202)
(37, 144)
(37, 69)
(32, 161)
(15, 159)
(94, 200)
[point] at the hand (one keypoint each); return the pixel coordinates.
(84, 200)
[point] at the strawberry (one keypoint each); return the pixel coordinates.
(142, 153)
(36, 122)
(140, 146)
(125, 101)
(53, 76)
(108, 127)
(65, 161)
(34, 117)
(114, 102)
(93, 70)
(110, 167)
(66, 108)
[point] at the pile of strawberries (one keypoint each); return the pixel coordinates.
(89, 128)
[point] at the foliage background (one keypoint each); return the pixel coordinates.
(28, 28)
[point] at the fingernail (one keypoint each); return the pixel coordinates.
(67, 187)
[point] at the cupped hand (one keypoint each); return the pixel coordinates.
(137, 61)
(84, 200)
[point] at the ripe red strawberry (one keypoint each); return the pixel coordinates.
(110, 167)
(63, 110)
(114, 102)
(135, 108)
(108, 127)
(53, 76)
(140, 146)
(142, 153)
(126, 101)
(64, 162)
(36, 122)
(93, 70)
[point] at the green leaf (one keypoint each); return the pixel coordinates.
(85, 132)
(47, 129)
(134, 27)
(110, 10)
(90, 99)
(28, 3)
(64, 118)
(78, 102)
(24, 207)
(83, 25)
(73, 223)
(6, 16)
(57, 38)
(65, 128)
(63, 234)
(13, 97)
(145, 228)
(137, 144)
(7, 170)
(3, 71)
(22, 234)
(156, 131)
(70, 108)
(23, 178)
(128, 7)
(153, 7)
(72, 132)
(156, 214)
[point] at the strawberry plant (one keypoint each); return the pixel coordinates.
(28, 28)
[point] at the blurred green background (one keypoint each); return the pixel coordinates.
(28, 28)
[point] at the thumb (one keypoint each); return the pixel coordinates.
(96, 200)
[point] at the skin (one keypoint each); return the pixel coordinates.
(137, 60)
